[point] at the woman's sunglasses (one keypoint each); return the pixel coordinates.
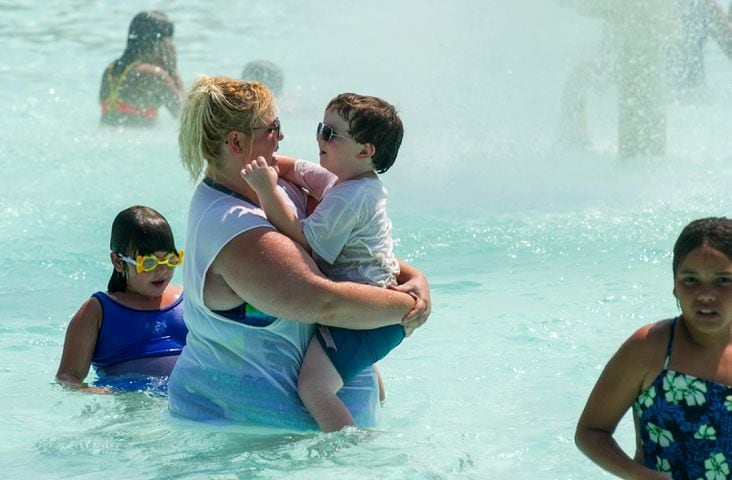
(326, 132)
(273, 127)
(148, 263)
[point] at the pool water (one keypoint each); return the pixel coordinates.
(542, 258)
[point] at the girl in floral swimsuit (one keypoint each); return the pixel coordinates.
(676, 374)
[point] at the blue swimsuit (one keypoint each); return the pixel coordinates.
(129, 334)
(685, 424)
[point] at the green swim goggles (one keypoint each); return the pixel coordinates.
(148, 263)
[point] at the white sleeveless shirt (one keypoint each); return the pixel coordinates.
(232, 372)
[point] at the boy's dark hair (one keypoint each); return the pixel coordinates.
(371, 120)
(713, 231)
(138, 230)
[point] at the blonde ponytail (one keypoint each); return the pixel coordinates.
(213, 107)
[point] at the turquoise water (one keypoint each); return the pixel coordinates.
(542, 259)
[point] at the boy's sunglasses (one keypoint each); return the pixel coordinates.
(148, 263)
(326, 132)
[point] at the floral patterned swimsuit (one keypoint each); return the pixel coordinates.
(685, 424)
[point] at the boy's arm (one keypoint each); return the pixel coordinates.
(286, 167)
(263, 179)
(315, 179)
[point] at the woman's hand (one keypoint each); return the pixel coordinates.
(416, 285)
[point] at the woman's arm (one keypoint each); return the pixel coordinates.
(615, 391)
(267, 269)
(286, 167)
(155, 85)
(104, 86)
(79, 345)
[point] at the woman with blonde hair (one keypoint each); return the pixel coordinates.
(253, 296)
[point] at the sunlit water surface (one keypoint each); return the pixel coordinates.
(542, 258)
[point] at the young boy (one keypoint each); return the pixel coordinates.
(349, 234)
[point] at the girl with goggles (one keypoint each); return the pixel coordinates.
(135, 329)
(148, 263)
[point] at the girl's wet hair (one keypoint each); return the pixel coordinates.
(148, 27)
(146, 30)
(138, 230)
(713, 231)
(213, 107)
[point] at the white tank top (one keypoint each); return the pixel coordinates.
(231, 372)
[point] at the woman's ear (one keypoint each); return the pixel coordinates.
(233, 141)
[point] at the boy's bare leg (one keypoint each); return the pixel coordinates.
(317, 385)
(382, 387)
